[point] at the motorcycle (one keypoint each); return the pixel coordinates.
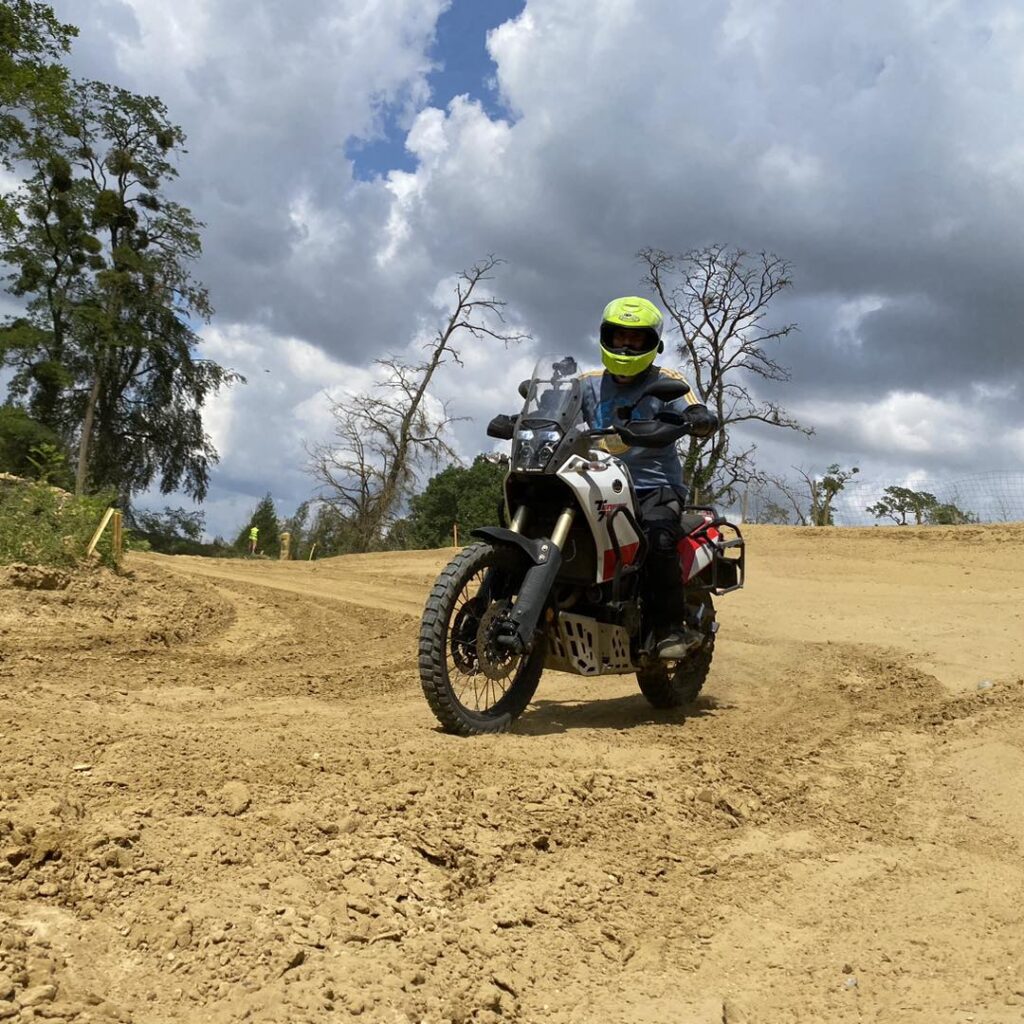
(558, 586)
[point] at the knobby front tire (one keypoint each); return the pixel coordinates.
(471, 687)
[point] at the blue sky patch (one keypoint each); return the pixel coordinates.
(465, 66)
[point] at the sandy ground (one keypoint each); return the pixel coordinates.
(223, 798)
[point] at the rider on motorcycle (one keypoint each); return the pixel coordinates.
(630, 340)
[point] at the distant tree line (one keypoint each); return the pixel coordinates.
(809, 500)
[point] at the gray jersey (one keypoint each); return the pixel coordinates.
(602, 395)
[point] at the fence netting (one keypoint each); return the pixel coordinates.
(988, 497)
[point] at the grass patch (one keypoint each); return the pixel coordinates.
(43, 525)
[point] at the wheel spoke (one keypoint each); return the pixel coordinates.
(474, 674)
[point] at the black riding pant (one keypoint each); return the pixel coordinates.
(661, 582)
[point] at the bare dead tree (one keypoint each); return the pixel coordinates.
(718, 299)
(812, 497)
(795, 494)
(384, 437)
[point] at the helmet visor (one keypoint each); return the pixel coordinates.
(628, 341)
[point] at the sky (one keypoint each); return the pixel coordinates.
(349, 157)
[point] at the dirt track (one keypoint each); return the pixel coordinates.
(222, 797)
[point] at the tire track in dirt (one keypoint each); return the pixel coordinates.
(823, 807)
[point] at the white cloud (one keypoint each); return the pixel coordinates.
(875, 145)
(900, 422)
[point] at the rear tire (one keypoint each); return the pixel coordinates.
(674, 684)
(472, 686)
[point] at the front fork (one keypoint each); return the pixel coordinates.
(537, 583)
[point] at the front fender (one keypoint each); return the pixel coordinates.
(538, 550)
(536, 585)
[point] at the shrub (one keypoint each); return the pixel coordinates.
(43, 525)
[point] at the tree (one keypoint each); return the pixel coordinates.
(824, 489)
(264, 517)
(105, 352)
(331, 532)
(897, 503)
(771, 513)
(23, 440)
(385, 437)
(32, 77)
(174, 531)
(812, 497)
(468, 496)
(718, 299)
(949, 514)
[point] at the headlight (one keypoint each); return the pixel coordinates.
(533, 449)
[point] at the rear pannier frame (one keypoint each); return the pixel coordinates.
(726, 572)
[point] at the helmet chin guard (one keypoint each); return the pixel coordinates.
(624, 363)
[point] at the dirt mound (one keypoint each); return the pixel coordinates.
(223, 798)
(44, 610)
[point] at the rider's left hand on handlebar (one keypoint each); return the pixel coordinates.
(698, 418)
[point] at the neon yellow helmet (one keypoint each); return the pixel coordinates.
(636, 314)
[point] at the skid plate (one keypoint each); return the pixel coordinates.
(581, 644)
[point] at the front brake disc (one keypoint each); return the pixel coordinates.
(463, 638)
(494, 661)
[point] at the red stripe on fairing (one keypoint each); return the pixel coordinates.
(695, 552)
(628, 554)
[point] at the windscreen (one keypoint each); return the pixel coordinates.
(554, 398)
(552, 408)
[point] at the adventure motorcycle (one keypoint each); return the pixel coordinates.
(558, 586)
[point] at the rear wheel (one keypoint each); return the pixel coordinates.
(473, 684)
(673, 684)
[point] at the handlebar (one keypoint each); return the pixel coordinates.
(647, 433)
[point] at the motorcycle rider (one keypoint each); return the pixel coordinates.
(630, 340)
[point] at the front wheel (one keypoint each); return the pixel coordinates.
(472, 683)
(673, 684)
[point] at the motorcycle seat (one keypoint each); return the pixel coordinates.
(691, 521)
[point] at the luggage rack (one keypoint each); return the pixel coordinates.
(726, 572)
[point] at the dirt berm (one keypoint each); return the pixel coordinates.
(223, 798)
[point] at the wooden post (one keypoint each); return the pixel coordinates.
(99, 531)
(118, 534)
(311, 550)
(455, 534)
(286, 543)
(743, 509)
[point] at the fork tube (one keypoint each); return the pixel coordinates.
(561, 531)
(518, 520)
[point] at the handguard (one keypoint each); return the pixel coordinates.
(651, 433)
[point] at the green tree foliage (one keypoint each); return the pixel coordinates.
(468, 496)
(900, 504)
(823, 491)
(32, 77)
(42, 525)
(25, 444)
(174, 531)
(949, 514)
(812, 496)
(264, 517)
(331, 532)
(105, 354)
